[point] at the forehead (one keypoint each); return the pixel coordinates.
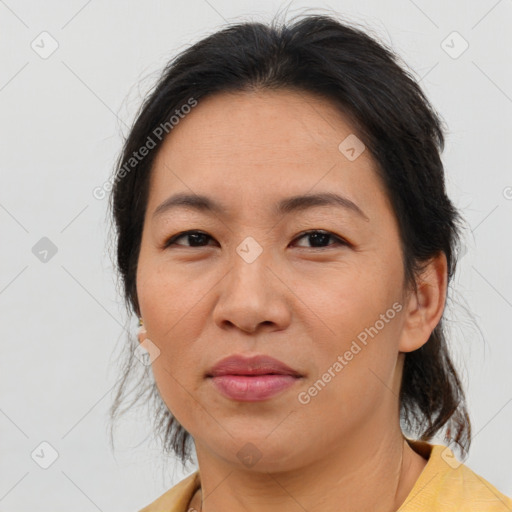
(260, 145)
(261, 125)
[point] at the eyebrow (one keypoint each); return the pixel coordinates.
(298, 203)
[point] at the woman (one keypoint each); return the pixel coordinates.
(285, 237)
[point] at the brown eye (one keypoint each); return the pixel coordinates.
(318, 239)
(194, 238)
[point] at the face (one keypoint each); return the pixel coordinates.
(316, 285)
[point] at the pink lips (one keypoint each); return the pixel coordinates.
(252, 379)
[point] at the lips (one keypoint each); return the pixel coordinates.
(252, 379)
(251, 366)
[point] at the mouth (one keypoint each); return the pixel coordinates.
(253, 388)
(249, 373)
(252, 379)
(258, 365)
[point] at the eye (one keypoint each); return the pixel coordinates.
(199, 239)
(195, 238)
(320, 237)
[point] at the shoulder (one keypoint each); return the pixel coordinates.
(448, 484)
(177, 498)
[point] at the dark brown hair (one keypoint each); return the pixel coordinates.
(316, 54)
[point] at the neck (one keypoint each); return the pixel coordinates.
(375, 474)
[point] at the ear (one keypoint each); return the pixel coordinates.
(424, 308)
(141, 334)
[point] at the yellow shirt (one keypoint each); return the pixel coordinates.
(444, 485)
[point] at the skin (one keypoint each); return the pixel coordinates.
(301, 304)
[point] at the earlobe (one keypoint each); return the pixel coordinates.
(425, 306)
(141, 332)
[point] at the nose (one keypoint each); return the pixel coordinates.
(252, 297)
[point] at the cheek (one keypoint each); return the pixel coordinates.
(354, 338)
(177, 368)
(174, 317)
(171, 380)
(352, 379)
(167, 296)
(344, 299)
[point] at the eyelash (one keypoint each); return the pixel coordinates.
(339, 241)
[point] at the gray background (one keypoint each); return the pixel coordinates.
(62, 118)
